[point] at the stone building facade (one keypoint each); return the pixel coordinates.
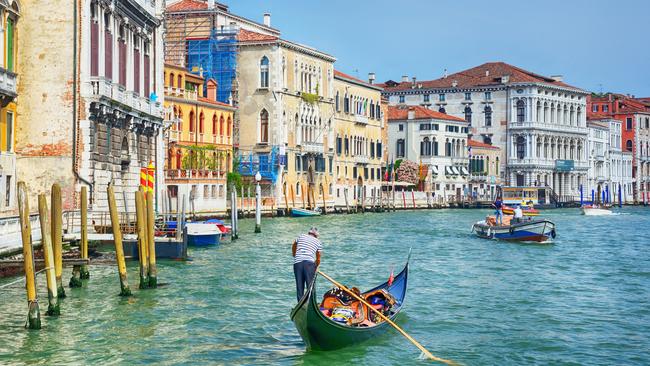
(484, 165)
(359, 139)
(198, 141)
(101, 97)
(435, 140)
(9, 18)
(534, 119)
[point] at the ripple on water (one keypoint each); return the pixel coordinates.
(581, 300)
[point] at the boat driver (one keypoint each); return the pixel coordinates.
(306, 251)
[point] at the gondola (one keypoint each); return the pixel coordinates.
(321, 333)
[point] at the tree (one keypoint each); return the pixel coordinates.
(408, 171)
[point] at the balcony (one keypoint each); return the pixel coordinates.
(517, 126)
(7, 82)
(361, 159)
(194, 174)
(103, 88)
(478, 178)
(312, 147)
(361, 120)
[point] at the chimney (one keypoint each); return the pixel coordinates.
(505, 79)
(405, 78)
(212, 89)
(454, 84)
(411, 113)
(414, 79)
(444, 75)
(487, 72)
(556, 77)
(267, 19)
(371, 77)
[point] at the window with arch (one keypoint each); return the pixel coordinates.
(448, 150)
(201, 122)
(264, 126)
(172, 79)
(521, 111)
(488, 115)
(214, 124)
(264, 72)
(521, 147)
(496, 166)
(221, 122)
(400, 148)
(628, 145)
(346, 103)
(378, 111)
(179, 84)
(468, 114)
(338, 107)
(229, 127)
(192, 121)
(425, 147)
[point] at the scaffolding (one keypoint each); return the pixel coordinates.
(267, 164)
(195, 41)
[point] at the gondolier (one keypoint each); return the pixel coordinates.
(306, 258)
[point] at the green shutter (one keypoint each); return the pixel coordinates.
(10, 44)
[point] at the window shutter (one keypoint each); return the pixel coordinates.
(136, 71)
(122, 63)
(108, 55)
(94, 49)
(147, 88)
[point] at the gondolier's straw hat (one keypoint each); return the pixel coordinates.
(313, 231)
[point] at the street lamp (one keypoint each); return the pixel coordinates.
(258, 203)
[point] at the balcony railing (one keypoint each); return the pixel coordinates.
(102, 87)
(7, 81)
(548, 127)
(313, 147)
(194, 174)
(362, 120)
(361, 159)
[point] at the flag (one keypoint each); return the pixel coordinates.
(391, 278)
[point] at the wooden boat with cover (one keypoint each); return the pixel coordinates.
(321, 332)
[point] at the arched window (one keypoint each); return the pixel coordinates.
(488, 116)
(221, 130)
(628, 145)
(496, 167)
(378, 111)
(180, 119)
(171, 80)
(448, 151)
(346, 103)
(179, 159)
(468, 114)
(229, 126)
(214, 124)
(338, 107)
(264, 72)
(400, 148)
(442, 110)
(425, 147)
(264, 126)
(521, 111)
(298, 189)
(435, 147)
(201, 122)
(521, 147)
(192, 121)
(179, 84)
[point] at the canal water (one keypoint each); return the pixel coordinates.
(583, 300)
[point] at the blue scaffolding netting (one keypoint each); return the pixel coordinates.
(216, 58)
(267, 164)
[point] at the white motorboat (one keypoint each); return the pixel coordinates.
(595, 211)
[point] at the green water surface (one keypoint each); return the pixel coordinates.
(585, 300)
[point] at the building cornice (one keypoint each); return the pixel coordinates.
(225, 107)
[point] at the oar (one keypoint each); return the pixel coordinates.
(385, 318)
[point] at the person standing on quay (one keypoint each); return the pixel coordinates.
(306, 258)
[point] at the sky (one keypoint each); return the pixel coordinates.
(599, 46)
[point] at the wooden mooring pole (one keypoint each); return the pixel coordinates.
(153, 273)
(57, 238)
(33, 312)
(85, 274)
(322, 191)
(53, 308)
(117, 238)
(141, 226)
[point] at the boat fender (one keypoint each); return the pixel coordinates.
(553, 234)
(489, 232)
(511, 230)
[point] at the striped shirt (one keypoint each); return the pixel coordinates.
(306, 248)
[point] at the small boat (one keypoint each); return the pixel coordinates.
(320, 332)
(200, 234)
(596, 210)
(301, 212)
(225, 229)
(527, 210)
(539, 230)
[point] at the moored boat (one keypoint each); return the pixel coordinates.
(200, 234)
(596, 211)
(320, 332)
(225, 229)
(301, 212)
(538, 230)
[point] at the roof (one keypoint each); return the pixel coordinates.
(487, 74)
(598, 124)
(401, 113)
(478, 144)
(207, 100)
(341, 75)
(250, 36)
(188, 5)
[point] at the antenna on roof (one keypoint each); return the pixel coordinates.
(444, 75)
(600, 89)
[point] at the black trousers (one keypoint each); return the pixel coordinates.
(304, 272)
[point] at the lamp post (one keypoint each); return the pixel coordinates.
(258, 203)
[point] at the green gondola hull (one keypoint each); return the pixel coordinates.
(322, 334)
